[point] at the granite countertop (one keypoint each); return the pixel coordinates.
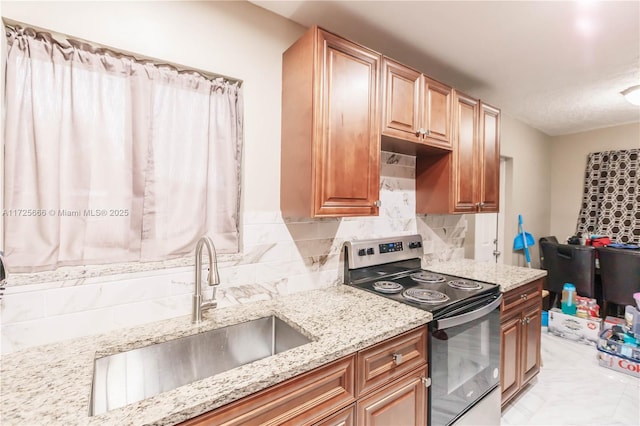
(51, 384)
(507, 276)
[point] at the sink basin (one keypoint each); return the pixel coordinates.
(131, 376)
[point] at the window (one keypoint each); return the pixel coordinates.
(113, 159)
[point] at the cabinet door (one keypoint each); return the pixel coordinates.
(489, 158)
(531, 330)
(401, 114)
(437, 113)
(510, 356)
(403, 402)
(347, 169)
(465, 153)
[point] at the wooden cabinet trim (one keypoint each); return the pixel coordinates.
(303, 399)
(344, 417)
(376, 365)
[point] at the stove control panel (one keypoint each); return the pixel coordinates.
(372, 252)
(390, 247)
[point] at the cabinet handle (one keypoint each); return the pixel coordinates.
(397, 358)
(377, 203)
(524, 296)
(426, 381)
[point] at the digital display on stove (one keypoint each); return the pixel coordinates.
(390, 247)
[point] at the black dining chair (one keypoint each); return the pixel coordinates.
(620, 275)
(569, 264)
(550, 238)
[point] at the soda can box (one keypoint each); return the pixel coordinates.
(584, 330)
(616, 347)
(619, 363)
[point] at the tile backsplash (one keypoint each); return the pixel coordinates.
(279, 256)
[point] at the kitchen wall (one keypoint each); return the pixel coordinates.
(568, 162)
(528, 187)
(279, 255)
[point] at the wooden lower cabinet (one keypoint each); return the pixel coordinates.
(520, 327)
(403, 402)
(391, 390)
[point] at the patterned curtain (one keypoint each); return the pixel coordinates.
(612, 196)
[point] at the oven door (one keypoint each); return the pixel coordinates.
(464, 361)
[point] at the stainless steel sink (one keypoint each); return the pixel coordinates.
(134, 375)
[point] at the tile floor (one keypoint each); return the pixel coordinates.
(572, 389)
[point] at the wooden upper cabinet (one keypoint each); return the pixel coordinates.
(401, 113)
(465, 153)
(330, 161)
(415, 108)
(437, 115)
(466, 180)
(489, 197)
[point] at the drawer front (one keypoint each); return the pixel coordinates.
(303, 400)
(386, 361)
(346, 417)
(520, 295)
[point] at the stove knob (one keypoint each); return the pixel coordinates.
(361, 252)
(370, 250)
(415, 244)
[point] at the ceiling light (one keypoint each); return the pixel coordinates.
(632, 95)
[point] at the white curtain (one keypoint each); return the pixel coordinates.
(111, 159)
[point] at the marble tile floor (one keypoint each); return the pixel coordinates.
(572, 389)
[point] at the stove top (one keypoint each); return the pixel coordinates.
(390, 267)
(434, 296)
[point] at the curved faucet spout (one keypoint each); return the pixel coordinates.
(213, 279)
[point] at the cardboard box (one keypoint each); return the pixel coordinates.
(613, 347)
(619, 363)
(611, 321)
(584, 330)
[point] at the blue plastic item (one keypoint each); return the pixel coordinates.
(569, 305)
(523, 240)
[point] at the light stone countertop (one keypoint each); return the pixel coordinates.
(506, 276)
(51, 384)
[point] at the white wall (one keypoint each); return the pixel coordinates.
(528, 185)
(568, 162)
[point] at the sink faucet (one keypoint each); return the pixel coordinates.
(213, 279)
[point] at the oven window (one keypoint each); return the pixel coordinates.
(465, 362)
(469, 355)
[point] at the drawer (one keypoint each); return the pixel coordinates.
(302, 400)
(522, 294)
(386, 361)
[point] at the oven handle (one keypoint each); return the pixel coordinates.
(469, 316)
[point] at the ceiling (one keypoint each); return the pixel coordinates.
(557, 66)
